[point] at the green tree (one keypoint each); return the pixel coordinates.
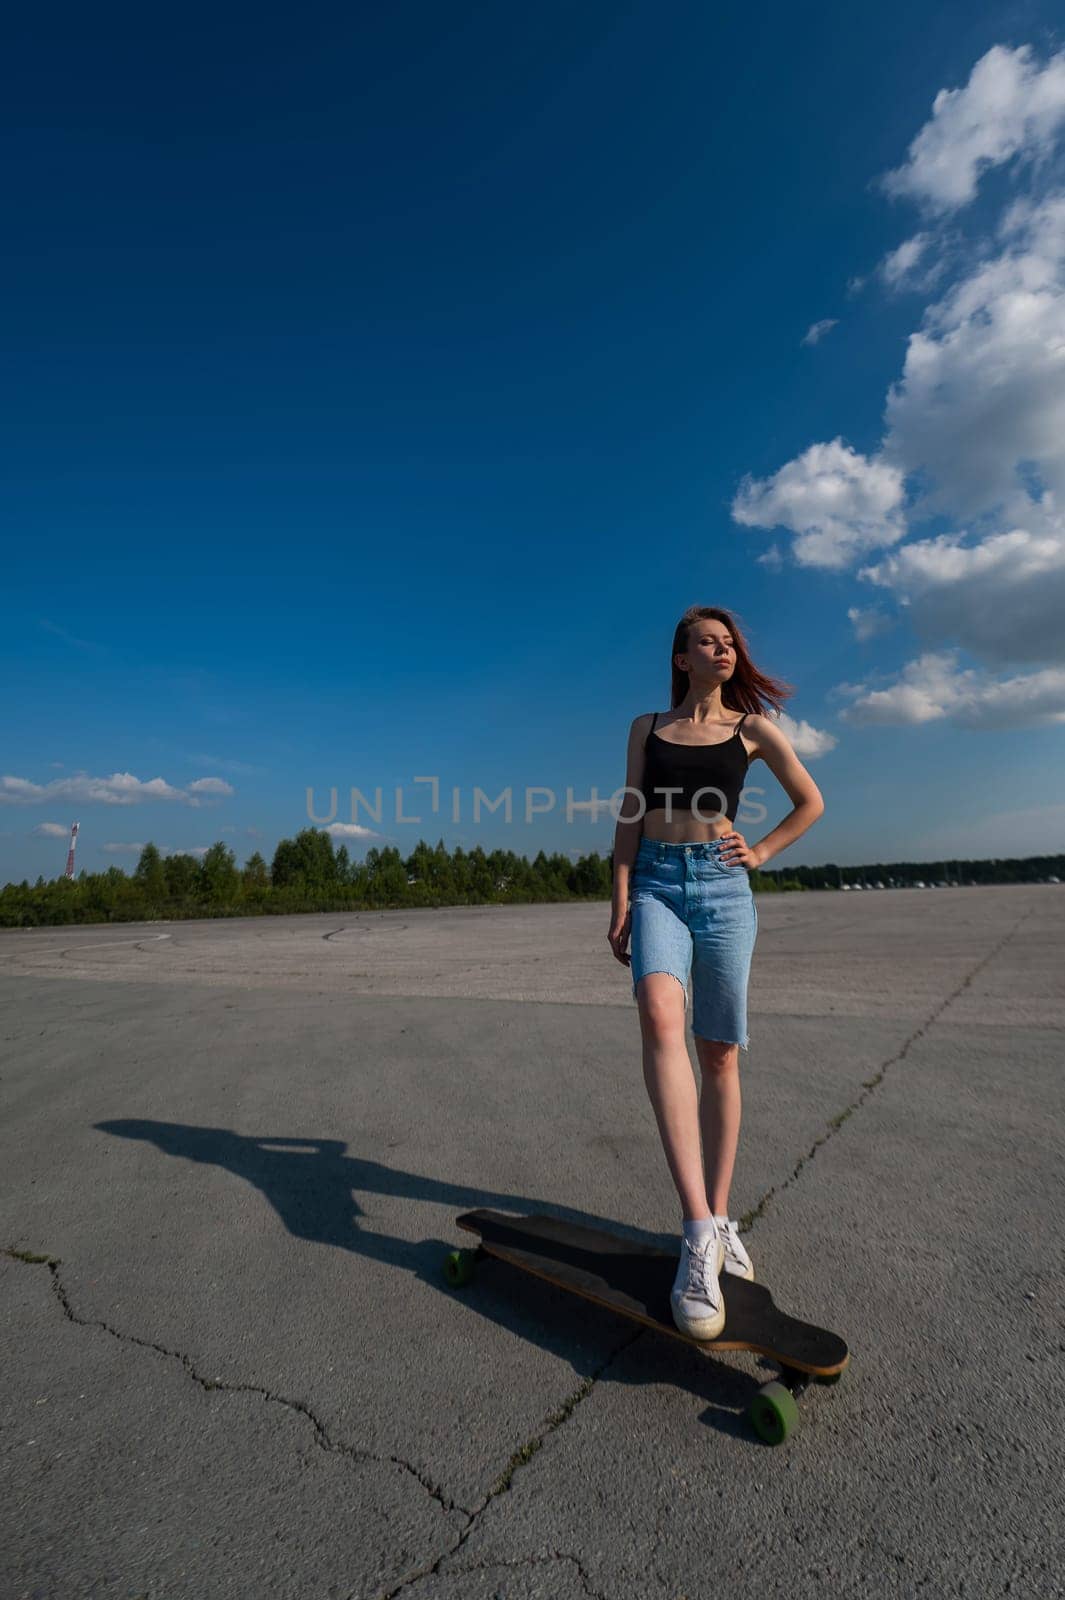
(182, 874)
(285, 868)
(151, 875)
(255, 878)
(219, 876)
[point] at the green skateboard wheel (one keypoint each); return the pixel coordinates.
(774, 1413)
(459, 1267)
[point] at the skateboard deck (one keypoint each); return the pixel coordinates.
(635, 1281)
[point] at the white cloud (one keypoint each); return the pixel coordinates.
(835, 501)
(120, 789)
(51, 830)
(983, 385)
(350, 830)
(868, 624)
(807, 741)
(817, 330)
(1003, 599)
(1010, 108)
(899, 268)
(974, 431)
(934, 688)
(210, 786)
(975, 428)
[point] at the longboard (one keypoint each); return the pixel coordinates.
(635, 1281)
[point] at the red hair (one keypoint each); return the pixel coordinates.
(747, 689)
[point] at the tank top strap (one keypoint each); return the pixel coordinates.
(742, 720)
(651, 729)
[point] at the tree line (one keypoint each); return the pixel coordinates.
(308, 874)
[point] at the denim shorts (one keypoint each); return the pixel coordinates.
(694, 916)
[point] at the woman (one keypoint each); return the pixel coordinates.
(693, 915)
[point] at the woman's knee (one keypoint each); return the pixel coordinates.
(717, 1058)
(663, 1001)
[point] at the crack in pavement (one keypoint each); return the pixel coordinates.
(533, 1561)
(322, 1438)
(870, 1085)
(520, 1458)
(352, 1453)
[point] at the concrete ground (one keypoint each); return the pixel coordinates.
(240, 1148)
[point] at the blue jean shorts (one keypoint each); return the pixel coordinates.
(694, 916)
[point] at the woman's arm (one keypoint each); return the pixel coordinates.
(808, 804)
(629, 827)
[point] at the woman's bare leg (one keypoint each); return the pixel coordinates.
(719, 1116)
(667, 1072)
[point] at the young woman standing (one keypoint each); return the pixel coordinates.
(693, 917)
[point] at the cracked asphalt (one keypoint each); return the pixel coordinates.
(232, 1154)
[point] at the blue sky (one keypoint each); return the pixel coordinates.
(383, 382)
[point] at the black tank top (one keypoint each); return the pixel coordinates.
(689, 768)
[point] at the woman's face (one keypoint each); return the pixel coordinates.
(711, 653)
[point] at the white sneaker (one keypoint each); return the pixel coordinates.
(696, 1298)
(737, 1261)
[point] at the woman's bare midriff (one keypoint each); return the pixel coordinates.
(684, 828)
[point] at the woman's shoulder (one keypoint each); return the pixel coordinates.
(752, 731)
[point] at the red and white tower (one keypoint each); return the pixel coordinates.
(70, 853)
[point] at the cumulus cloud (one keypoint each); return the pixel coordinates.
(974, 430)
(120, 789)
(350, 830)
(1011, 108)
(807, 741)
(982, 389)
(934, 687)
(51, 830)
(835, 501)
(1003, 598)
(210, 786)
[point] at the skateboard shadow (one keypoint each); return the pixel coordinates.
(311, 1184)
